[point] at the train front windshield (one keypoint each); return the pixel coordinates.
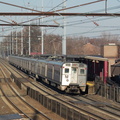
(82, 71)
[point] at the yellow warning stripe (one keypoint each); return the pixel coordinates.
(90, 84)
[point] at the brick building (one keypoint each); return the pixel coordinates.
(110, 51)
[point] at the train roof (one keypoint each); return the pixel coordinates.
(69, 58)
(56, 62)
(46, 60)
(61, 62)
(25, 58)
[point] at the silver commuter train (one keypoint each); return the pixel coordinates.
(66, 76)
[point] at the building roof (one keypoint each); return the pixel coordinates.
(90, 49)
(96, 58)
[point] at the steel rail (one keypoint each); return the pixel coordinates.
(106, 111)
(11, 101)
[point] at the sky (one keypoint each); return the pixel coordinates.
(75, 26)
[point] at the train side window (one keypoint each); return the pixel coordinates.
(82, 71)
(66, 70)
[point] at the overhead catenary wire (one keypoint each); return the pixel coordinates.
(111, 8)
(90, 31)
(70, 8)
(19, 6)
(74, 6)
(52, 11)
(108, 9)
(5, 21)
(100, 36)
(85, 22)
(79, 5)
(58, 5)
(78, 22)
(89, 21)
(25, 7)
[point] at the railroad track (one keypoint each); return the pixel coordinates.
(89, 111)
(25, 109)
(103, 107)
(5, 88)
(111, 104)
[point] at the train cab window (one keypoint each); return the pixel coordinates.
(66, 70)
(82, 71)
(74, 70)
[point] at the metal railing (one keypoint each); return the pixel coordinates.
(57, 107)
(108, 91)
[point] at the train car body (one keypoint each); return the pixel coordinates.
(67, 76)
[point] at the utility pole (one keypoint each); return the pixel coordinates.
(10, 46)
(7, 47)
(16, 43)
(29, 40)
(0, 49)
(64, 34)
(42, 33)
(12, 42)
(21, 42)
(105, 6)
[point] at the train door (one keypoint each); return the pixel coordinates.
(82, 76)
(66, 75)
(74, 74)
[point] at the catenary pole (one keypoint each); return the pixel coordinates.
(21, 42)
(64, 33)
(16, 43)
(42, 32)
(12, 42)
(29, 40)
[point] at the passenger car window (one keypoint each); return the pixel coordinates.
(82, 71)
(66, 70)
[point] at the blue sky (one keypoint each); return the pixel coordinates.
(76, 26)
(48, 4)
